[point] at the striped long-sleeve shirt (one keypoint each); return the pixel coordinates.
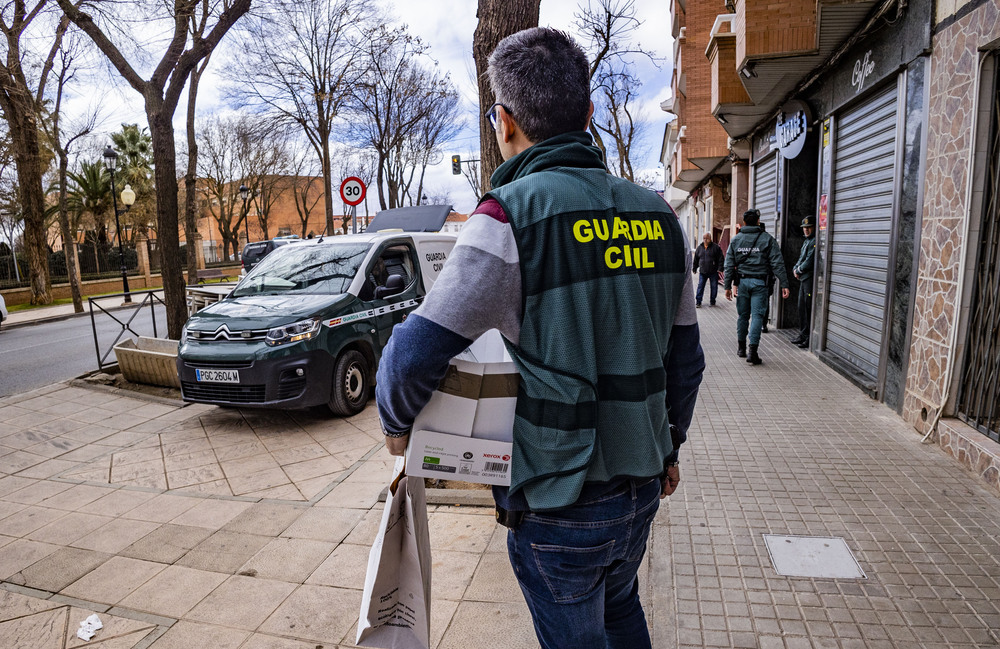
(479, 289)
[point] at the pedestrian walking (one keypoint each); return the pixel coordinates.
(708, 261)
(803, 271)
(753, 254)
(601, 325)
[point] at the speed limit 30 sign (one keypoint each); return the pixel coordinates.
(352, 190)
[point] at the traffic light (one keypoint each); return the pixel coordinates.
(456, 165)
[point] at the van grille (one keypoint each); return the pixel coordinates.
(288, 388)
(222, 392)
(223, 334)
(211, 365)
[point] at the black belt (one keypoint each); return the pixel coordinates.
(763, 277)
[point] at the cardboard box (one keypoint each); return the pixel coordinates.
(465, 430)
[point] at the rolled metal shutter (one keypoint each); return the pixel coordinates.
(864, 175)
(765, 192)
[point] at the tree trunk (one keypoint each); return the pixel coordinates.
(68, 240)
(497, 19)
(27, 158)
(164, 166)
(328, 185)
(190, 184)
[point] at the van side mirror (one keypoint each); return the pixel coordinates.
(394, 284)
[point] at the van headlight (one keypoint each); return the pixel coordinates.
(184, 334)
(293, 333)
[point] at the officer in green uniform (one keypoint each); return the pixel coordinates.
(803, 271)
(752, 255)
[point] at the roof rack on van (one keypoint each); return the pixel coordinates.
(418, 218)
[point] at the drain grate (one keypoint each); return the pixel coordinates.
(822, 557)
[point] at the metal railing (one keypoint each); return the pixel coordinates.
(979, 395)
(148, 297)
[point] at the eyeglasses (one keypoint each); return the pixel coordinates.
(491, 114)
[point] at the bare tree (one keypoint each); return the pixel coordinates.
(404, 110)
(197, 25)
(306, 192)
(54, 131)
(297, 63)
(21, 97)
(470, 170)
(608, 26)
(161, 93)
(222, 172)
(264, 161)
(497, 19)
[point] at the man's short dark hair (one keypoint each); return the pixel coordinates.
(542, 77)
(751, 217)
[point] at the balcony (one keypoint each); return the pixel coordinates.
(777, 45)
(729, 97)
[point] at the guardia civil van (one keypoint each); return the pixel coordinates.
(307, 325)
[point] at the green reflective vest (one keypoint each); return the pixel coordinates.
(602, 266)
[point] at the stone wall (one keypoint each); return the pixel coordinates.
(952, 112)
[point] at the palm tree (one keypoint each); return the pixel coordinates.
(90, 193)
(135, 168)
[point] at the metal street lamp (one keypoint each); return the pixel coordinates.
(128, 198)
(245, 194)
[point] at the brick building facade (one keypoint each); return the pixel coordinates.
(881, 119)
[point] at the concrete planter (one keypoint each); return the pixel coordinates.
(152, 361)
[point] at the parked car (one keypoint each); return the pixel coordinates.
(308, 324)
(254, 252)
(3, 310)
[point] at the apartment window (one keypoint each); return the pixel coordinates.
(979, 392)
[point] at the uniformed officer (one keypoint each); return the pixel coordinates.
(803, 271)
(753, 254)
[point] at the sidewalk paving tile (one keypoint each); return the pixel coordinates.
(167, 543)
(243, 602)
(174, 591)
(287, 559)
(224, 551)
(188, 635)
(319, 613)
(113, 580)
(59, 569)
(115, 536)
(344, 568)
(327, 524)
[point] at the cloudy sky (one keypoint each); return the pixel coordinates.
(447, 27)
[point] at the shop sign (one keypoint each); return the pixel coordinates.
(791, 129)
(763, 144)
(863, 68)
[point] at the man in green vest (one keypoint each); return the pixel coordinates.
(752, 256)
(588, 279)
(803, 272)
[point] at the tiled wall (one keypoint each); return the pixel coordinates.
(952, 113)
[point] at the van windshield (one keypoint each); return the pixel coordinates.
(305, 269)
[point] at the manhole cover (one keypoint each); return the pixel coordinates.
(823, 557)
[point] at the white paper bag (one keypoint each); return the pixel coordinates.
(396, 605)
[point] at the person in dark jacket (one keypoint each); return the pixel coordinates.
(751, 253)
(803, 271)
(707, 263)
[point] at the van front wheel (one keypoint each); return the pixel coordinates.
(351, 384)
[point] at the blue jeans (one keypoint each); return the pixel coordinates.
(712, 279)
(577, 568)
(751, 308)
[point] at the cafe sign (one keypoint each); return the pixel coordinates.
(792, 127)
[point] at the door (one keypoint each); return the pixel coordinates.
(860, 245)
